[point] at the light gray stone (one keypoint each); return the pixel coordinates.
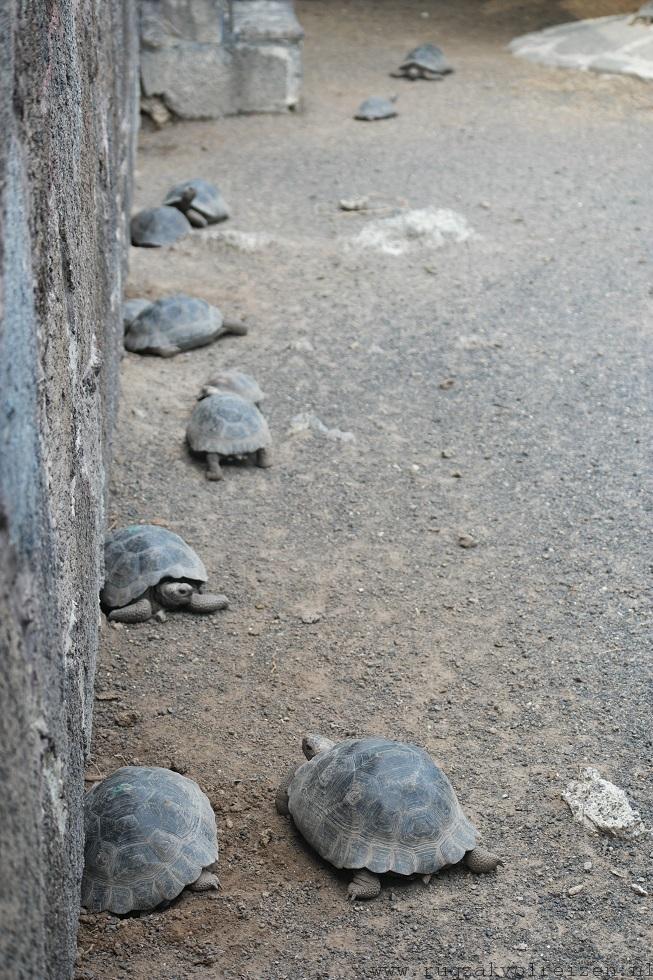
(195, 81)
(265, 20)
(167, 22)
(268, 77)
(615, 45)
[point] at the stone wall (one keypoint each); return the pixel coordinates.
(202, 59)
(68, 86)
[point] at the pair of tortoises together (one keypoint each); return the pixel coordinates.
(426, 61)
(228, 424)
(190, 204)
(368, 804)
(174, 324)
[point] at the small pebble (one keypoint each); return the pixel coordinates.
(639, 890)
(575, 890)
(587, 866)
(467, 541)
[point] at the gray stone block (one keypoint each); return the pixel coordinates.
(257, 21)
(195, 81)
(167, 22)
(268, 77)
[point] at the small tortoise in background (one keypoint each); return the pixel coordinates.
(377, 806)
(225, 425)
(237, 382)
(376, 108)
(148, 567)
(426, 61)
(149, 833)
(176, 323)
(156, 227)
(201, 202)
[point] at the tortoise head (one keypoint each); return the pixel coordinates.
(174, 594)
(315, 744)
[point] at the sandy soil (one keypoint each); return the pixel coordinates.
(354, 609)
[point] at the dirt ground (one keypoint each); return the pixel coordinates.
(495, 387)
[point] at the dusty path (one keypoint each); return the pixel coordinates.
(354, 609)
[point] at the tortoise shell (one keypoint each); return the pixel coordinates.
(382, 805)
(155, 227)
(428, 56)
(228, 425)
(206, 199)
(376, 108)
(132, 308)
(238, 383)
(173, 324)
(149, 832)
(138, 557)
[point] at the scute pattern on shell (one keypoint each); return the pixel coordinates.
(382, 805)
(228, 425)
(138, 557)
(149, 832)
(238, 383)
(178, 321)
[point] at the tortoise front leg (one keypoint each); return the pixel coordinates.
(263, 458)
(201, 602)
(213, 471)
(196, 219)
(481, 861)
(136, 612)
(364, 884)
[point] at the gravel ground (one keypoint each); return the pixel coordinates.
(494, 378)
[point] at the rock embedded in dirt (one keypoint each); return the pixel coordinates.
(467, 541)
(603, 807)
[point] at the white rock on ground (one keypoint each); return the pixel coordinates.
(307, 420)
(603, 807)
(420, 228)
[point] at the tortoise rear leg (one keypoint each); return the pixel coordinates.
(263, 458)
(207, 881)
(364, 884)
(136, 612)
(481, 861)
(281, 799)
(213, 471)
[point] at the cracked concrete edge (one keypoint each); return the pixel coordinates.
(542, 47)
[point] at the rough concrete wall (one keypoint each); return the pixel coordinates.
(68, 119)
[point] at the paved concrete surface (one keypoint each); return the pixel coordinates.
(494, 375)
(616, 45)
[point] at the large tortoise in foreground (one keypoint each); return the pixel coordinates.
(377, 806)
(149, 833)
